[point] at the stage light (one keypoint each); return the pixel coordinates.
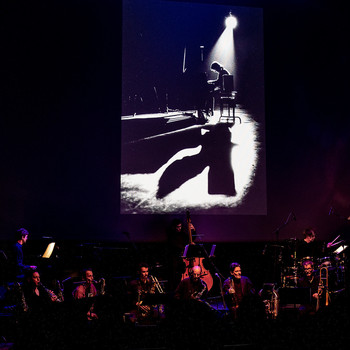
(231, 21)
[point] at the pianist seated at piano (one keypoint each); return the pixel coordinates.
(218, 82)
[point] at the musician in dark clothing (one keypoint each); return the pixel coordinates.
(309, 247)
(236, 287)
(177, 239)
(138, 290)
(192, 287)
(85, 294)
(21, 238)
(309, 279)
(220, 70)
(41, 316)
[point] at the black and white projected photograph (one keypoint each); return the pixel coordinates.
(193, 123)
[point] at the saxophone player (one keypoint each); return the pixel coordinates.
(138, 289)
(85, 291)
(236, 287)
(192, 287)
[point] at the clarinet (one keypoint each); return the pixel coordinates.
(50, 293)
(60, 296)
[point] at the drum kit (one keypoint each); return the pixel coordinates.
(292, 269)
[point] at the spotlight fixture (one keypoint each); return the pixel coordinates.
(231, 21)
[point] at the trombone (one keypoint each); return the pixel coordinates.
(157, 284)
(323, 285)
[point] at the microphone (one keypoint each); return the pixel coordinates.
(294, 217)
(331, 211)
(217, 275)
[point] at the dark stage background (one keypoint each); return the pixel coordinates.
(60, 105)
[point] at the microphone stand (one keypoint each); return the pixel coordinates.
(221, 290)
(290, 217)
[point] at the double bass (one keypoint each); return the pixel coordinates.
(191, 261)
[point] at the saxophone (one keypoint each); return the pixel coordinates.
(274, 304)
(144, 310)
(102, 283)
(199, 294)
(23, 302)
(233, 295)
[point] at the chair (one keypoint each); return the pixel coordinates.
(227, 100)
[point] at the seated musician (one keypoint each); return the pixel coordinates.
(87, 290)
(138, 291)
(35, 296)
(236, 287)
(309, 247)
(220, 70)
(309, 279)
(192, 287)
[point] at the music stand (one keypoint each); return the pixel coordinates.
(48, 251)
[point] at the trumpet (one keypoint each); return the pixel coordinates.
(323, 285)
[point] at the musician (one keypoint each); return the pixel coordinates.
(309, 279)
(220, 70)
(309, 247)
(177, 239)
(36, 296)
(192, 287)
(138, 290)
(41, 316)
(236, 287)
(85, 291)
(21, 239)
